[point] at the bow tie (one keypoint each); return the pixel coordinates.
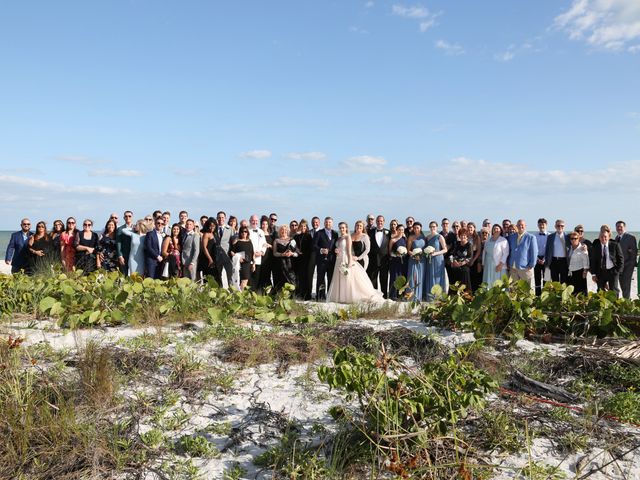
(379, 230)
(255, 230)
(541, 233)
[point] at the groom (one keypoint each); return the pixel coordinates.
(379, 255)
(324, 244)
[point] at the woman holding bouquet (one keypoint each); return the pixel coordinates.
(350, 282)
(284, 251)
(435, 271)
(416, 263)
(397, 260)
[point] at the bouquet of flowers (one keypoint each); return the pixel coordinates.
(401, 251)
(344, 269)
(416, 253)
(429, 251)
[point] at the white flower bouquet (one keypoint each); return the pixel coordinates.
(416, 253)
(401, 251)
(344, 269)
(428, 251)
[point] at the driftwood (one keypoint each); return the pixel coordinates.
(521, 382)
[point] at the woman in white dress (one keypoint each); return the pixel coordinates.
(350, 282)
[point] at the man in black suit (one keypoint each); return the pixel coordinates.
(450, 238)
(311, 265)
(16, 255)
(555, 253)
(629, 248)
(123, 243)
(324, 244)
(606, 261)
(379, 255)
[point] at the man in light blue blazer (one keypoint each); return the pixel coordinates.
(16, 255)
(523, 253)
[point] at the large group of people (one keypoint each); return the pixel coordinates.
(349, 266)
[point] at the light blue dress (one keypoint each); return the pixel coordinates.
(415, 270)
(434, 269)
(136, 255)
(489, 275)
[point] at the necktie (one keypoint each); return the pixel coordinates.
(220, 232)
(603, 262)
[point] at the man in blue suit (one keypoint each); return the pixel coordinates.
(324, 244)
(555, 255)
(16, 255)
(153, 250)
(523, 253)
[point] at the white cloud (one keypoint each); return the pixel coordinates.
(306, 156)
(606, 24)
(356, 29)
(505, 56)
(365, 163)
(369, 4)
(31, 183)
(103, 172)
(80, 159)
(634, 49)
(300, 182)
(416, 12)
(256, 154)
(449, 48)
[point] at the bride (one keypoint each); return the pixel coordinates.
(350, 282)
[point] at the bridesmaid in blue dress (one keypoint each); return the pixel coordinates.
(397, 262)
(416, 266)
(434, 268)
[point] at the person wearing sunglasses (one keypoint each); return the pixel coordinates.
(16, 254)
(40, 248)
(123, 242)
(67, 245)
(56, 233)
(578, 260)
(86, 243)
(153, 249)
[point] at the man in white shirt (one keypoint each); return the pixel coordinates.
(259, 242)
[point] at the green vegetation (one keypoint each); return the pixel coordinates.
(510, 309)
(624, 405)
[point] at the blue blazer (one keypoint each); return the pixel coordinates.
(525, 254)
(320, 240)
(152, 249)
(548, 251)
(17, 251)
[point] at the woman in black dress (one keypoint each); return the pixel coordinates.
(397, 260)
(244, 247)
(56, 237)
(284, 251)
(86, 243)
(304, 240)
(107, 254)
(360, 244)
(40, 251)
(461, 257)
(207, 256)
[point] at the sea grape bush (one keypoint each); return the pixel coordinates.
(511, 310)
(111, 299)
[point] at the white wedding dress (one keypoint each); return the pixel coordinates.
(354, 286)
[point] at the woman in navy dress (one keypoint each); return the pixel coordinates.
(397, 261)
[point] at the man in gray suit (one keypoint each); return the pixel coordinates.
(190, 251)
(123, 243)
(222, 237)
(629, 247)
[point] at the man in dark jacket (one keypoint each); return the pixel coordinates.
(16, 255)
(606, 261)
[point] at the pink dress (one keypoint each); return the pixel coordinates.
(69, 251)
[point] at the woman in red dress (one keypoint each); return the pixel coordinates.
(67, 248)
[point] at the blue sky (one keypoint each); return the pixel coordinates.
(462, 109)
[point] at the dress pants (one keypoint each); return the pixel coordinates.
(578, 281)
(538, 275)
(625, 280)
(324, 267)
(559, 269)
(381, 270)
(608, 280)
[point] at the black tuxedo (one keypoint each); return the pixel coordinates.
(629, 249)
(606, 278)
(324, 262)
(379, 260)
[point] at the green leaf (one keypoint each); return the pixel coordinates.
(46, 303)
